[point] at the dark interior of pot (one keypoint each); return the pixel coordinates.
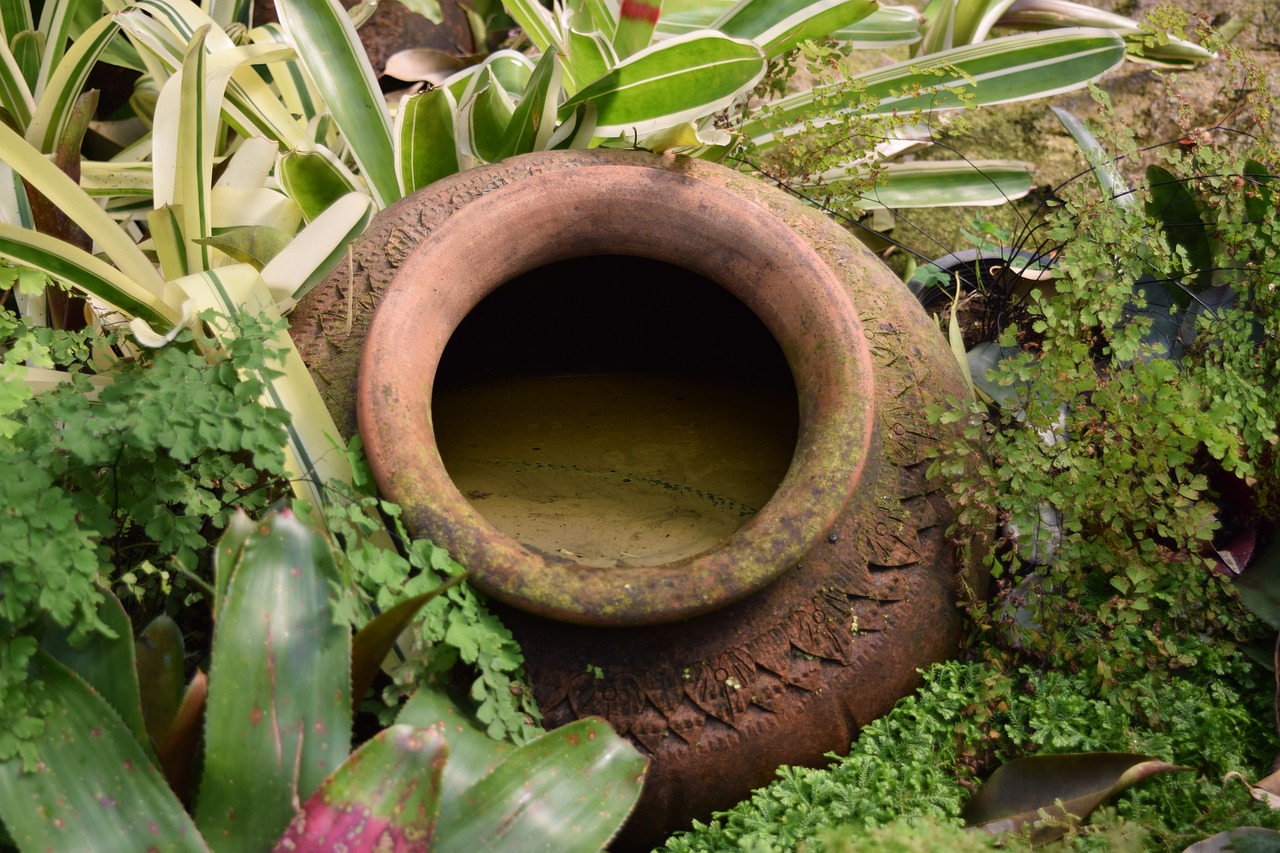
(615, 411)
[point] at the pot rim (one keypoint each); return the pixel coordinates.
(611, 209)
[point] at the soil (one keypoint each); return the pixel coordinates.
(1029, 131)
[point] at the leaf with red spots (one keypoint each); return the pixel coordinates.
(278, 719)
(472, 753)
(568, 790)
(93, 787)
(384, 797)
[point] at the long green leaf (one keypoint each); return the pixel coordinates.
(939, 183)
(384, 798)
(15, 16)
(677, 80)
(536, 22)
(95, 788)
(1054, 14)
(486, 115)
(279, 709)
(534, 117)
(107, 664)
(314, 179)
(568, 790)
(426, 140)
(590, 57)
(15, 94)
(336, 62)
(887, 26)
(780, 25)
(1104, 167)
(57, 22)
(1174, 208)
(86, 273)
(998, 71)
(78, 206)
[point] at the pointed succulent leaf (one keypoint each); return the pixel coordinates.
(106, 663)
(279, 708)
(472, 753)
(93, 788)
(160, 664)
(674, 81)
(779, 25)
(384, 797)
(227, 556)
(568, 790)
(1064, 787)
(487, 114)
(997, 71)
(1173, 206)
(426, 140)
(373, 642)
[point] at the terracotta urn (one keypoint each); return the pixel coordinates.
(672, 421)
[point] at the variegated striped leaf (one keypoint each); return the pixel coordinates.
(15, 94)
(944, 183)
(426, 144)
(58, 99)
(677, 80)
(779, 25)
(888, 26)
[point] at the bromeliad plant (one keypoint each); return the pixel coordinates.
(277, 770)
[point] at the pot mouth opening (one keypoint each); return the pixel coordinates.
(637, 424)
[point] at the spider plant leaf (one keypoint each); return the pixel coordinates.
(603, 19)
(534, 117)
(426, 142)
(940, 183)
(278, 719)
(337, 64)
(536, 22)
(317, 249)
(680, 17)
(780, 25)
(385, 797)
(1054, 14)
(887, 26)
(107, 664)
(289, 78)
(15, 90)
(85, 272)
(1174, 208)
(997, 71)
(115, 179)
(589, 58)
(636, 20)
(314, 178)
(673, 81)
(57, 25)
(1103, 167)
(97, 789)
(54, 106)
(583, 773)
(1066, 788)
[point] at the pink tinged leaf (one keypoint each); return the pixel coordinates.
(385, 797)
(1045, 793)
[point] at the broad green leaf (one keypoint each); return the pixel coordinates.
(316, 250)
(486, 115)
(943, 183)
(677, 80)
(15, 92)
(336, 62)
(227, 555)
(160, 662)
(779, 25)
(254, 245)
(373, 642)
(472, 753)
(984, 358)
(534, 118)
(385, 797)
(279, 709)
(1174, 208)
(1103, 167)
(78, 206)
(602, 18)
(887, 26)
(590, 57)
(1019, 792)
(1259, 198)
(998, 71)
(314, 179)
(568, 790)
(426, 142)
(636, 20)
(95, 788)
(105, 663)
(85, 273)
(54, 106)
(1055, 14)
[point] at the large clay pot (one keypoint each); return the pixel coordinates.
(773, 645)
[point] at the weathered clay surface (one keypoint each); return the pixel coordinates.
(793, 671)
